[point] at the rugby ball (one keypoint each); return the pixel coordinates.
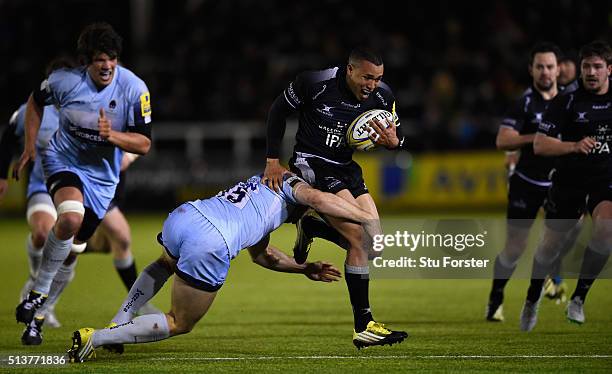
(357, 136)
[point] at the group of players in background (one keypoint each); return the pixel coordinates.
(103, 115)
(562, 127)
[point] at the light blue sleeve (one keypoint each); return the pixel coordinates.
(18, 121)
(60, 84)
(139, 102)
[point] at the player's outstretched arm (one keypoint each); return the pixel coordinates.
(332, 205)
(544, 145)
(33, 116)
(271, 258)
(276, 125)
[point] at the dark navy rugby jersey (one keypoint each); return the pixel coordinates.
(572, 117)
(525, 116)
(326, 108)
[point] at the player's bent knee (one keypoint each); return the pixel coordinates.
(71, 206)
(39, 237)
(123, 244)
(69, 223)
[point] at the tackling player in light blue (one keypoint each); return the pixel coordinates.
(104, 109)
(200, 238)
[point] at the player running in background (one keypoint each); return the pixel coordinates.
(104, 110)
(200, 239)
(40, 213)
(568, 71)
(113, 235)
(327, 102)
(577, 128)
(529, 181)
(554, 286)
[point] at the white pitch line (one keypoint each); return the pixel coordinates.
(271, 358)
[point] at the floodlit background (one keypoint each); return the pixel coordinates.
(214, 67)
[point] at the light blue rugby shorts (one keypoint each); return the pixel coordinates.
(202, 255)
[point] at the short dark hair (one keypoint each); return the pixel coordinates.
(98, 38)
(60, 62)
(544, 47)
(569, 55)
(362, 53)
(598, 48)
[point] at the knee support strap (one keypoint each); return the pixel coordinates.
(71, 206)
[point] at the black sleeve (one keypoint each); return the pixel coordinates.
(277, 122)
(515, 116)
(42, 94)
(402, 139)
(9, 143)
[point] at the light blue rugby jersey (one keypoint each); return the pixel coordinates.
(246, 213)
(126, 102)
(48, 125)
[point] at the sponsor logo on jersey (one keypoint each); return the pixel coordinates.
(292, 95)
(145, 104)
(326, 110)
(354, 106)
(600, 107)
(537, 117)
(519, 204)
(381, 98)
(545, 126)
(582, 117)
(332, 182)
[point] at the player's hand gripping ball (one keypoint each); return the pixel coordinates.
(358, 134)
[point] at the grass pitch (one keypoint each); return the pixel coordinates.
(273, 322)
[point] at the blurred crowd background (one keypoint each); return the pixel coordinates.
(454, 66)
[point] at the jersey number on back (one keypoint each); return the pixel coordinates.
(239, 194)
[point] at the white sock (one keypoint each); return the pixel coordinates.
(54, 253)
(64, 276)
(143, 329)
(34, 256)
(123, 263)
(148, 283)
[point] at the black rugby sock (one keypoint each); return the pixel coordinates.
(501, 276)
(538, 274)
(358, 282)
(127, 271)
(592, 264)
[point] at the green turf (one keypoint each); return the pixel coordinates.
(276, 322)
